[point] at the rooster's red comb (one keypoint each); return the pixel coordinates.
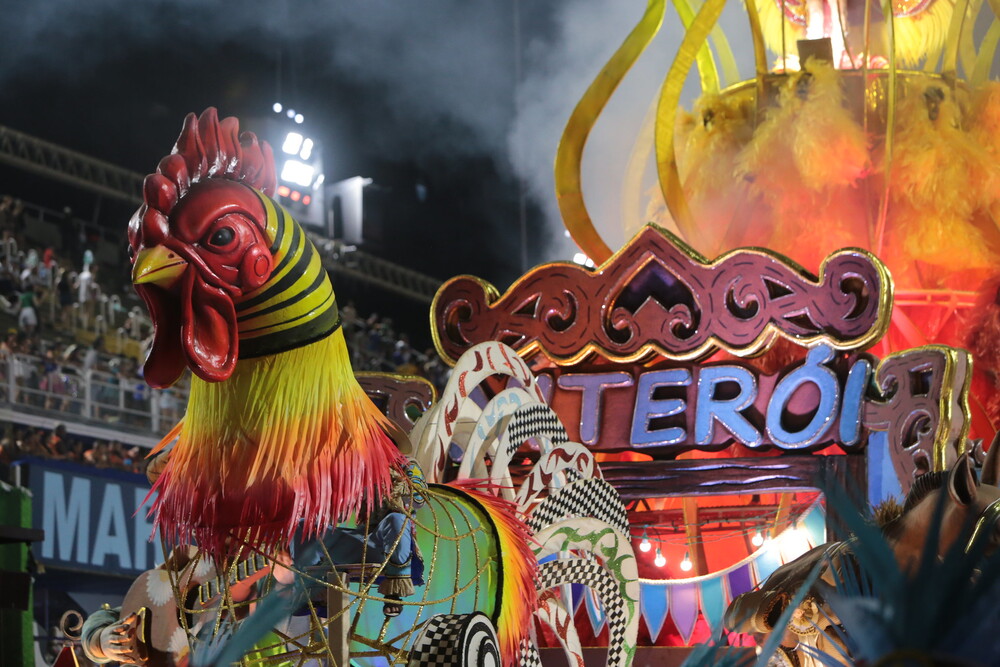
(209, 148)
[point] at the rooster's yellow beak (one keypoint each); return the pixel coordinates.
(159, 266)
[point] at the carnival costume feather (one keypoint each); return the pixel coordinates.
(708, 142)
(277, 430)
(935, 187)
(805, 160)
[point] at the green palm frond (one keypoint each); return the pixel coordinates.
(945, 611)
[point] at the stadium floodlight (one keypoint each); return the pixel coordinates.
(292, 143)
(319, 181)
(290, 113)
(299, 118)
(277, 107)
(307, 149)
(297, 172)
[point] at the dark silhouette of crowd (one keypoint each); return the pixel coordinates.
(55, 357)
(19, 442)
(375, 346)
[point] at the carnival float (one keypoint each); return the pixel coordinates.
(788, 335)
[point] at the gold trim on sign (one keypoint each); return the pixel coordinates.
(758, 346)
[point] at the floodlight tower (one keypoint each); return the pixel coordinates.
(298, 157)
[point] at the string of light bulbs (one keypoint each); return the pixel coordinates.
(758, 540)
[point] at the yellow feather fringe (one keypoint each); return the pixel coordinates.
(939, 180)
(289, 437)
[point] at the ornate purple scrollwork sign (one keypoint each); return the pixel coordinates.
(622, 349)
(402, 398)
(923, 408)
(657, 296)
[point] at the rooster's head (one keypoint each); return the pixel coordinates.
(207, 247)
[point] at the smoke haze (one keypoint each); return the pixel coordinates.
(440, 75)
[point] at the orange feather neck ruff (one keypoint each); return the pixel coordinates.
(290, 438)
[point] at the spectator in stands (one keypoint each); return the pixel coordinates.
(8, 287)
(47, 266)
(133, 460)
(8, 346)
(55, 443)
(116, 458)
(91, 355)
(99, 455)
(27, 316)
(86, 291)
(8, 454)
(168, 407)
(53, 381)
(6, 210)
(11, 217)
(31, 444)
(64, 292)
(20, 367)
(76, 451)
(349, 318)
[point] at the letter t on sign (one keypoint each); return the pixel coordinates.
(726, 411)
(646, 407)
(593, 387)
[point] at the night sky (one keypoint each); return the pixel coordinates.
(406, 93)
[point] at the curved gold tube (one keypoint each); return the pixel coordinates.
(757, 35)
(988, 48)
(569, 155)
(953, 41)
(707, 70)
(666, 115)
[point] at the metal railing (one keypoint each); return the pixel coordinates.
(54, 161)
(111, 398)
(48, 159)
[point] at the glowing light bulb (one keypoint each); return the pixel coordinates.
(277, 107)
(645, 546)
(660, 561)
(793, 543)
(757, 539)
(686, 564)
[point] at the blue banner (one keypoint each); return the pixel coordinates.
(92, 518)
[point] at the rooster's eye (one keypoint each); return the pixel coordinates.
(223, 237)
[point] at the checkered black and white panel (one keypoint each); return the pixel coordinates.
(593, 498)
(532, 421)
(456, 640)
(592, 574)
(570, 460)
(529, 656)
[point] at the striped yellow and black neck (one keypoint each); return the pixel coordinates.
(296, 306)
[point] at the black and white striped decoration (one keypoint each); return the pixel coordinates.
(529, 656)
(593, 498)
(532, 421)
(456, 640)
(592, 574)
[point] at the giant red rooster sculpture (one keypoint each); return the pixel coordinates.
(277, 430)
